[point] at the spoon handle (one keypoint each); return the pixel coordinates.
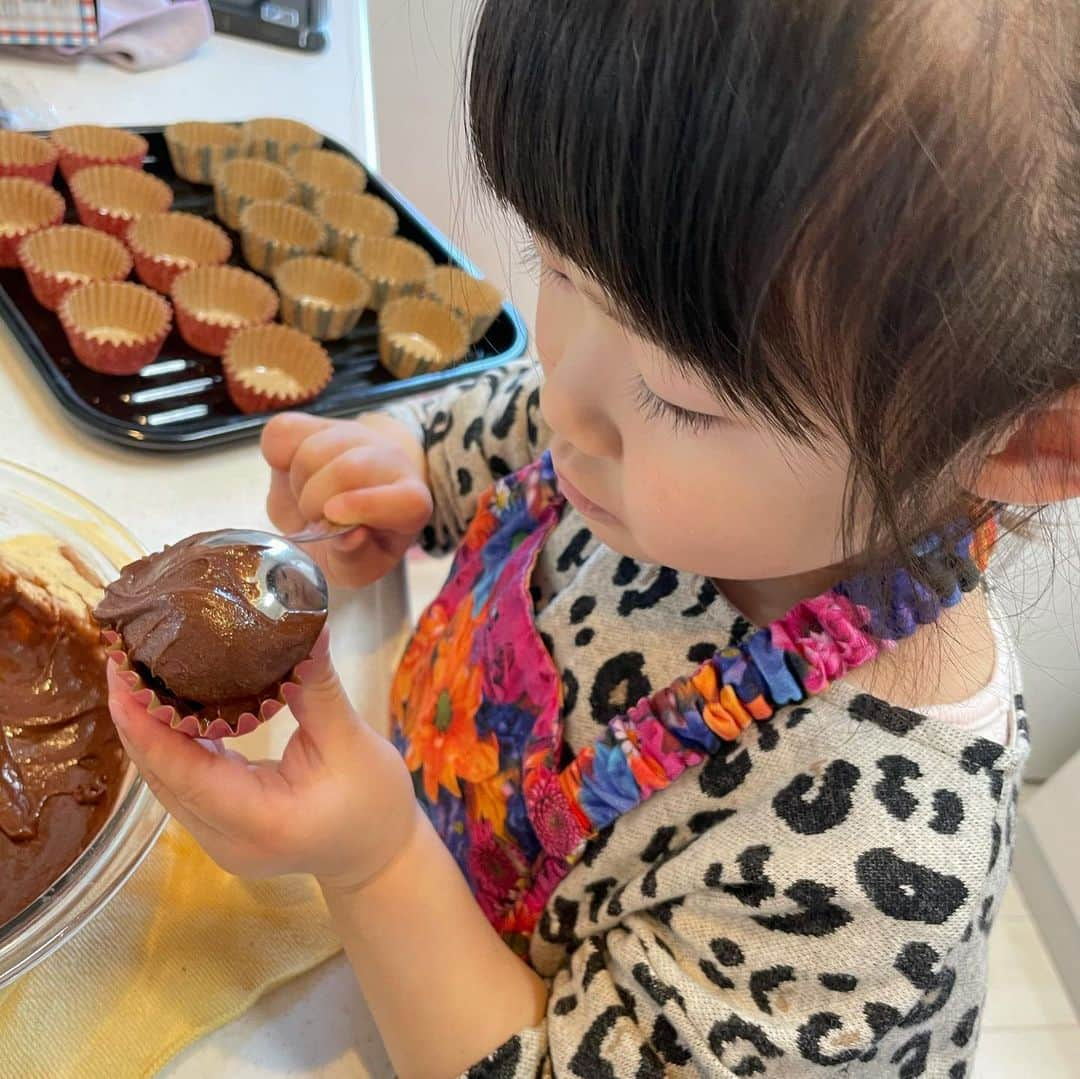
(323, 530)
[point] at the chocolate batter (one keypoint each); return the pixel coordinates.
(61, 763)
(188, 617)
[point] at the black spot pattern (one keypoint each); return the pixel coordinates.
(814, 1032)
(464, 481)
(595, 847)
(916, 962)
(796, 716)
(439, 426)
(565, 1005)
(706, 597)
(958, 1070)
(581, 608)
(667, 580)
(982, 756)
(740, 630)
(839, 983)
(891, 790)
(912, 1055)
(474, 434)
(995, 845)
(656, 987)
(768, 736)
(701, 652)
(619, 684)
(701, 822)
(829, 807)
(724, 771)
(665, 1040)
(948, 814)
(755, 887)
(558, 921)
(764, 982)
(965, 1028)
(502, 1064)
(894, 720)
(574, 552)
(594, 964)
(570, 691)
(727, 1037)
(906, 890)
(625, 572)
(584, 636)
(818, 915)
(598, 891)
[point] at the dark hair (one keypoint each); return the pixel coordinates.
(862, 214)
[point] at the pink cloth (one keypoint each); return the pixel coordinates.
(142, 34)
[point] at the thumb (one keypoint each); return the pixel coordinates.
(316, 696)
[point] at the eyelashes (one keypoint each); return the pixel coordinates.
(681, 419)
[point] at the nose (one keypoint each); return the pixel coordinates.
(574, 402)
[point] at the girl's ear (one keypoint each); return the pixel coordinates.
(1038, 461)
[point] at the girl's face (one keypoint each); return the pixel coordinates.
(661, 469)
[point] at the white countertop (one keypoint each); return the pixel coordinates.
(315, 1025)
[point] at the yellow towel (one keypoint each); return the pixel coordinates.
(181, 950)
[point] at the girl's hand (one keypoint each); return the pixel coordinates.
(369, 471)
(339, 804)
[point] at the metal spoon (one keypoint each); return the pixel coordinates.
(288, 580)
(323, 530)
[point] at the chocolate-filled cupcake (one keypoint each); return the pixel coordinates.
(208, 647)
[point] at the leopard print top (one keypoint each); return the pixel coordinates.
(814, 899)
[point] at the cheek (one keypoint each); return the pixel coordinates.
(551, 325)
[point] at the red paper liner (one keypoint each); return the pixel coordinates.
(110, 197)
(274, 346)
(194, 290)
(40, 207)
(27, 155)
(112, 358)
(169, 244)
(91, 253)
(83, 145)
(229, 719)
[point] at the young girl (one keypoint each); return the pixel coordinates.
(808, 326)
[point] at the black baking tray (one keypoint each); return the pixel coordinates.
(179, 402)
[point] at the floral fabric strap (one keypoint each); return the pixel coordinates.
(477, 699)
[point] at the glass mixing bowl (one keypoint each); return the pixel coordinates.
(30, 503)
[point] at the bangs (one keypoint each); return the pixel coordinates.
(670, 164)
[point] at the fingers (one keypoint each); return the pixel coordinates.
(282, 436)
(281, 506)
(403, 507)
(319, 703)
(321, 448)
(187, 777)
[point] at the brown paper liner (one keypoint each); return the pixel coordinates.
(321, 297)
(322, 172)
(420, 335)
(60, 259)
(26, 206)
(197, 148)
(274, 138)
(214, 302)
(273, 367)
(165, 245)
(110, 197)
(27, 155)
(227, 719)
(115, 327)
(395, 267)
(242, 181)
(348, 215)
(272, 232)
(83, 145)
(476, 301)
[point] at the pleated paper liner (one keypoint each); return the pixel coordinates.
(321, 172)
(242, 181)
(226, 719)
(476, 301)
(115, 328)
(26, 206)
(197, 148)
(82, 145)
(27, 155)
(213, 302)
(275, 138)
(165, 245)
(321, 297)
(274, 367)
(272, 232)
(110, 197)
(395, 267)
(418, 335)
(60, 259)
(348, 215)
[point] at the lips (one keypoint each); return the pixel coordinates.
(582, 503)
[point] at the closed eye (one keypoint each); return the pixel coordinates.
(653, 407)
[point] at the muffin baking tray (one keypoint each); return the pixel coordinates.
(180, 402)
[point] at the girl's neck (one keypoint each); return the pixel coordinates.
(764, 601)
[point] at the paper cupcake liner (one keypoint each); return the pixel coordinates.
(226, 720)
(272, 232)
(166, 245)
(274, 367)
(476, 301)
(82, 145)
(394, 266)
(214, 302)
(110, 197)
(197, 148)
(420, 335)
(60, 259)
(26, 207)
(321, 172)
(136, 319)
(347, 216)
(275, 138)
(242, 181)
(27, 155)
(321, 297)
